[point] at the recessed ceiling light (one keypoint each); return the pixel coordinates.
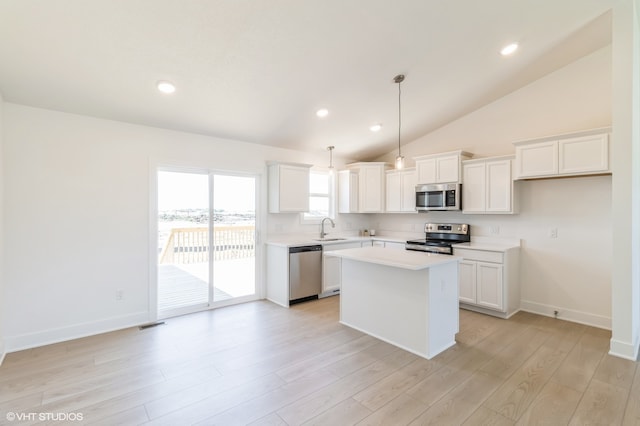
(166, 87)
(375, 127)
(322, 112)
(509, 49)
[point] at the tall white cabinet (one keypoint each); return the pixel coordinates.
(288, 187)
(367, 180)
(401, 191)
(347, 191)
(488, 186)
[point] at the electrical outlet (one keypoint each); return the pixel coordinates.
(495, 229)
(119, 294)
(553, 233)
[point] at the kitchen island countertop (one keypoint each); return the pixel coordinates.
(405, 259)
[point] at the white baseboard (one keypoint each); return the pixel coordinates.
(329, 293)
(566, 314)
(624, 350)
(3, 353)
(56, 335)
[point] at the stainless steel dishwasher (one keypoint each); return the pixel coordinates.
(305, 273)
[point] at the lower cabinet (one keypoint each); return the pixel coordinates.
(394, 245)
(332, 268)
(488, 281)
(388, 244)
(481, 284)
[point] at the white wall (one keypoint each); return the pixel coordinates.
(570, 273)
(625, 339)
(573, 272)
(2, 297)
(77, 216)
(572, 98)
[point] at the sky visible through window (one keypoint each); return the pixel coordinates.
(190, 191)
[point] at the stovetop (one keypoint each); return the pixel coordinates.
(425, 242)
(440, 237)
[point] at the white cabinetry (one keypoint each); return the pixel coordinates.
(488, 186)
(370, 188)
(401, 191)
(488, 281)
(394, 245)
(278, 274)
(440, 168)
(537, 159)
(332, 268)
(288, 187)
(347, 191)
(568, 155)
(586, 154)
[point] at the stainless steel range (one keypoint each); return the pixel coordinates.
(439, 237)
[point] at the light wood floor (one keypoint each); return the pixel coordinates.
(261, 364)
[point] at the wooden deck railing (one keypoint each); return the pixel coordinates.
(191, 245)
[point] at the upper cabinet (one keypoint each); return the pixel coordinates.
(347, 191)
(440, 168)
(488, 186)
(369, 186)
(568, 155)
(288, 187)
(401, 191)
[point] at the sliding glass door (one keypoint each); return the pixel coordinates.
(206, 240)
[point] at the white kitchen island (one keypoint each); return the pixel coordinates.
(406, 298)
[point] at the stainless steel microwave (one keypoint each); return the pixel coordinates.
(434, 197)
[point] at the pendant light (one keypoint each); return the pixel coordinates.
(399, 159)
(330, 149)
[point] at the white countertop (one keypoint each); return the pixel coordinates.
(489, 244)
(306, 240)
(477, 243)
(405, 259)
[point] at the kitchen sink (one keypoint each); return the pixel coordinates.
(329, 239)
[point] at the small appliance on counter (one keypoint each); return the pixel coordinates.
(440, 237)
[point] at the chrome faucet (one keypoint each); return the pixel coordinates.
(322, 233)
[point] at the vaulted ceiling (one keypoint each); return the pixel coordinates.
(257, 71)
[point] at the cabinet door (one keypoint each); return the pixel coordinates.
(489, 285)
(331, 273)
(426, 170)
(474, 188)
(371, 187)
(584, 154)
(294, 189)
(537, 159)
(499, 186)
(408, 188)
(448, 169)
(467, 281)
(394, 192)
(347, 192)
(393, 245)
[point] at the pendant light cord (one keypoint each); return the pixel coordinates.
(399, 79)
(399, 116)
(330, 149)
